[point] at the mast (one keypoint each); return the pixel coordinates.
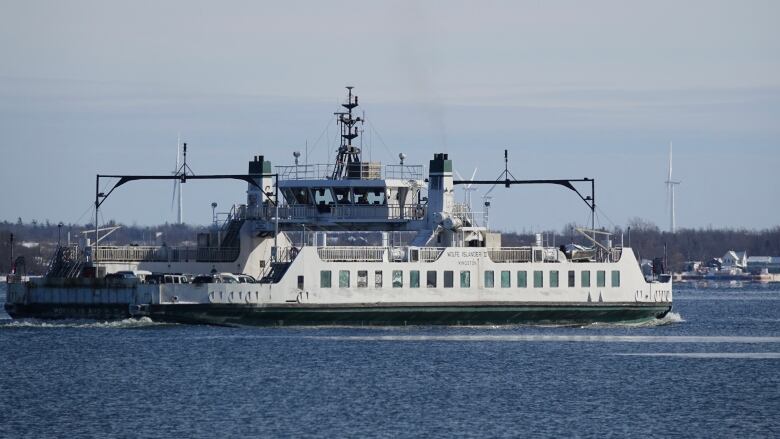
(348, 156)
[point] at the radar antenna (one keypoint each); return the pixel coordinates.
(348, 157)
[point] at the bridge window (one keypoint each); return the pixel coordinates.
(430, 279)
(601, 278)
(369, 196)
(571, 278)
(323, 196)
(360, 195)
(585, 279)
(449, 279)
(325, 279)
(522, 279)
(489, 279)
(505, 279)
(362, 279)
(300, 282)
(414, 279)
(342, 195)
(378, 279)
(377, 197)
(344, 279)
(615, 278)
(538, 279)
(465, 279)
(289, 195)
(398, 279)
(301, 195)
(554, 278)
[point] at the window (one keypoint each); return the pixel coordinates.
(414, 279)
(538, 279)
(300, 282)
(506, 277)
(430, 279)
(360, 195)
(465, 279)
(376, 196)
(615, 278)
(449, 279)
(344, 279)
(322, 196)
(325, 279)
(522, 279)
(585, 279)
(301, 195)
(398, 279)
(571, 278)
(489, 279)
(601, 280)
(342, 195)
(554, 278)
(378, 279)
(362, 280)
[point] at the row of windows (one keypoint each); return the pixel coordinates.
(431, 279)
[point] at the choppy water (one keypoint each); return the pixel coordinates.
(710, 369)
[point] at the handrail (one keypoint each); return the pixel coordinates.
(351, 254)
(351, 212)
(365, 170)
(166, 254)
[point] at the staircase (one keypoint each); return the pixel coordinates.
(66, 262)
(231, 234)
(275, 274)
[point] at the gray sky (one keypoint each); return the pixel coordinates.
(572, 89)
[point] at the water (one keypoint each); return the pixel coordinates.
(710, 369)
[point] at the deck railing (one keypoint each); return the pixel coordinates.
(430, 254)
(166, 254)
(511, 254)
(351, 254)
(335, 211)
(357, 171)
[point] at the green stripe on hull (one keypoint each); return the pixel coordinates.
(405, 315)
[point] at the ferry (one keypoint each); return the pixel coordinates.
(423, 258)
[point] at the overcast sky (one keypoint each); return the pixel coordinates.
(572, 89)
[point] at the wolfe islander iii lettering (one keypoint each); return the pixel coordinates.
(280, 259)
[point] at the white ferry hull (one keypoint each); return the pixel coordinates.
(347, 297)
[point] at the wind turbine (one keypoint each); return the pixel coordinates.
(670, 184)
(468, 189)
(177, 188)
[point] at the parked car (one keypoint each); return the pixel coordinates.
(245, 279)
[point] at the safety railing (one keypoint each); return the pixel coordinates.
(350, 212)
(165, 254)
(430, 254)
(511, 254)
(351, 254)
(361, 171)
